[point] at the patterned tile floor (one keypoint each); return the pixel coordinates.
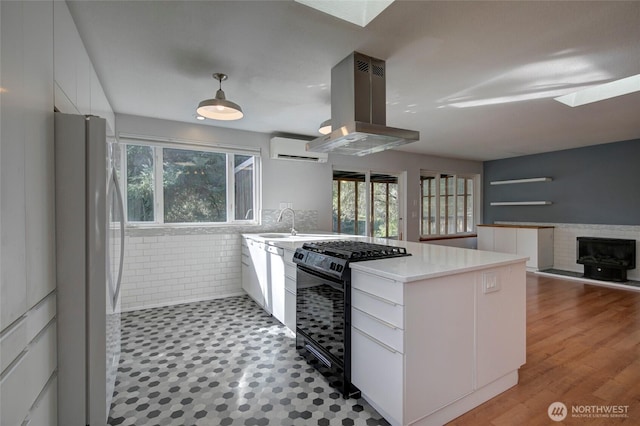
(221, 362)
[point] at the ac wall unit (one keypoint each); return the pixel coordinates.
(294, 150)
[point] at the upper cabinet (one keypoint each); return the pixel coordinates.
(77, 89)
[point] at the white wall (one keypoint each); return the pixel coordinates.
(177, 265)
(27, 306)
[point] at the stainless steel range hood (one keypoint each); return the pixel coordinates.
(358, 110)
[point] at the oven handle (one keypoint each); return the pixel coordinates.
(318, 355)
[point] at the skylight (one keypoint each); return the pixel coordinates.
(601, 92)
(359, 12)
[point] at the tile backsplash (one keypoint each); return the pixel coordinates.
(181, 264)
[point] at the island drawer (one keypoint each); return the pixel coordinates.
(378, 286)
(386, 333)
(378, 307)
(378, 373)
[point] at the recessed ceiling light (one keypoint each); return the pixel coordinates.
(601, 92)
(359, 12)
(199, 117)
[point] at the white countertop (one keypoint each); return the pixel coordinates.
(431, 261)
(426, 260)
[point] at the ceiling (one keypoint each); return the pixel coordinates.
(477, 79)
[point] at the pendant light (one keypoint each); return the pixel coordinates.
(219, 108)
(325, 127)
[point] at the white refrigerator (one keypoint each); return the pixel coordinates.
(89, 260)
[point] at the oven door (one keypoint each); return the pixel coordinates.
(320, 316)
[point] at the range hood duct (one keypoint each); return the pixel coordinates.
(358, 110)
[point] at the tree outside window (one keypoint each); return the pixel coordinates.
(198, 186)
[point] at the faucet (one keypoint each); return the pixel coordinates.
(293, 219)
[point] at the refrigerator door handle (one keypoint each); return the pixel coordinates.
(116, 293)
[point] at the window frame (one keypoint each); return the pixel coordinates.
(158, 145)
(368, 208)
(475, 199)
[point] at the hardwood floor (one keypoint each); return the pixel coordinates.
(583, 349)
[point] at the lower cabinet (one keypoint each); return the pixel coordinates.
(276, 281)
(420, 348)
(289, 291)
(254, 271)
(535, 242)
(378, 373)
(269, 278)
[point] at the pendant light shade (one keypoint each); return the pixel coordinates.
(219, 108)
(325, 127)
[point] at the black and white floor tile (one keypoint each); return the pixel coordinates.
(221, 362)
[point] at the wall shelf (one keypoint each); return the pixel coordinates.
(527, 180)
(521, 203)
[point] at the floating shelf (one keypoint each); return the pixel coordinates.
(527, 180)
(521, 203)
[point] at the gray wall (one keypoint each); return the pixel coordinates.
(593, 185)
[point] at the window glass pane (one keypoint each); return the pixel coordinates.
(460, 214)
(194, 186)
(447, 221)
(349, 203)
(469, 211)
(140, 183)
(347, 207)
(384, 212)
(361, 214)
(244, 178)
(428, 205)
(336, 207)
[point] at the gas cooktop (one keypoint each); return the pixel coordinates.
(354, 251)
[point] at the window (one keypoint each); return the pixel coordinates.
(177, 185)
(447, 203)
(365, 204)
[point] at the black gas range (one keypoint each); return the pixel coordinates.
(323, 304)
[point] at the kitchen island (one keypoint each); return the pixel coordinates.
(437, 333)
(434, 334)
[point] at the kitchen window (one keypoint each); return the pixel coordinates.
(171, 184)
(366, 203)
(448, 204)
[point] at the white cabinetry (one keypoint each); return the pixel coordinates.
(269, 277)
(377, 333)
(536, 242)
(254, 262)
(289, 291)
(276, 281)
(425, 352)
(77, 88)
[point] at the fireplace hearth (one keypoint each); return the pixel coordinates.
(606, 259)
